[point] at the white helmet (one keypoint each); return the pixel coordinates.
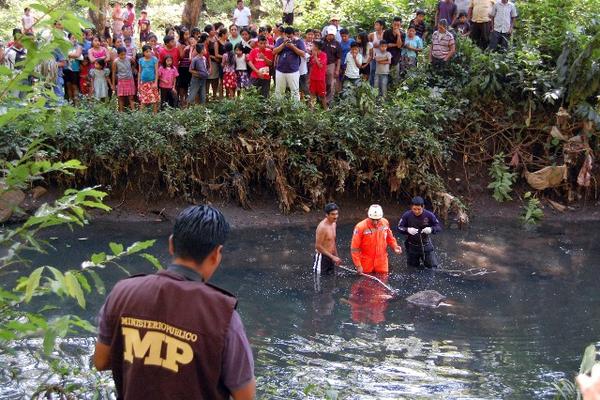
(375, 212)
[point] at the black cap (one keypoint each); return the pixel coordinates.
(417, 201)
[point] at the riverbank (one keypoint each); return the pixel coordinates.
(265, 212)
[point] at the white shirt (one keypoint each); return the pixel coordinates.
(503, 14)
(352, 71)
(288, 6)
(242, 17)
(28, 21)
(303, 70)
(240, 63)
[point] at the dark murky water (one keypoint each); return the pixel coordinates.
(510, 333)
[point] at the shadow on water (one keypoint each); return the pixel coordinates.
(521, 311)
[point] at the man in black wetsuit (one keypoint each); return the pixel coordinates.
(417, 224)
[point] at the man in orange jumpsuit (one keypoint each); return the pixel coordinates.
(370, 240)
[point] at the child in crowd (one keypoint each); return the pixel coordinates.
(199, 70)
(229, 65)
(366, 52)
(97, 52)
(84, 84)
(412, 46)
(144, 26)
(122, 71)
(419, 24)
(383, 59)
(354, 62)
(27, 20)
(130, 47)
(318, 72)
(461, 25)
(153, 43)
(241, 68)
(167, 77)
(148, 79)
(99, 82)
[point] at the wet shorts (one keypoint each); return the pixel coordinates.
(323, 265)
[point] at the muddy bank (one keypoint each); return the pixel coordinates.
(265, 212)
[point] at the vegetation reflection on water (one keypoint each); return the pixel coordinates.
(521, 313)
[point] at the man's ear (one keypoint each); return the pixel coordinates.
(216, 255)
(171, 246)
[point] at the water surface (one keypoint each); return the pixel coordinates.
(522, 312)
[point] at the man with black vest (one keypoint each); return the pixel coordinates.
(417, 224)
(172, 335)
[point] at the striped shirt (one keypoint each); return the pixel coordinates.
(441, 44)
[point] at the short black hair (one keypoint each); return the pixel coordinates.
(195, 30)
(208, 28)
(262, 38)
(167, 39)
(289, 30)
(383, 42)
(330, 207)
(309, 31)
(380, 22)
(101, 63)
(420, 12)
(397, 19)
(145, 48)
(354, 44)
(344, 31)
(198, 231)
(417, 201)
(199, 48)
(121, 50)
(462, 14)
(318, 44)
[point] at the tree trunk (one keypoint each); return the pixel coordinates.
(191, 13)
(255, 8)
(98, 16)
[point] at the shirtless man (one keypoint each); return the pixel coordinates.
(326, 257)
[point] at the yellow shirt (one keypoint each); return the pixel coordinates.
(481, 10)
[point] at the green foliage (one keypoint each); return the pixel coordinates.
(502, 179)
(236, 145)
(532, 211)
(565, 388)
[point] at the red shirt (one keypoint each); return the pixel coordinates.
(259, 63)
(316, 73)
(174, 52)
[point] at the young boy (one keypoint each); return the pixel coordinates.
(419, 24)
(354, 61)
(318, 72)
(461, 25)
(27, 20)
(130, 47)
(144, 26)
(199, 71)
(383, 59)
(412, 46)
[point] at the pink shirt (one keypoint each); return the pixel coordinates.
(166, 77)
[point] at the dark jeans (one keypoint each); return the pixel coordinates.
(263, 85)
(499, 40)
(480, 34)
(197, 88)
(167, 97)
(414, 257)
(438, 63)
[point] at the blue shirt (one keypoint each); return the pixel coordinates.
(288, 61)
(345, 49)
(416, 43)
(148, 69)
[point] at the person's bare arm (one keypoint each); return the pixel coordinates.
(247, 392)
(102, 357)
(452, 51)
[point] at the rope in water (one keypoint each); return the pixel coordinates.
(370, 277)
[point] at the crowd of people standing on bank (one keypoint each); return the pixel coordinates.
(189, 65)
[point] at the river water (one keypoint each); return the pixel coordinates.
(523, 308)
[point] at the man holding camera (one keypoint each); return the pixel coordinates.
(289, 51)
